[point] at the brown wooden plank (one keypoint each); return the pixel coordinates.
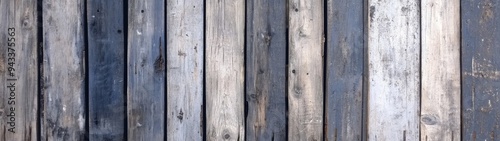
(394, 70)
(146, 70)
(106, 59)
(440, 114)
(63, 70)
(266, 70)
(18, 70)
(185, 47)
(225, 32)
(305, 72)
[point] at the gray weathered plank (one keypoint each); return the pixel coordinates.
(146, 70)
(440, 113)
(185, 47)
(393, 69)
(480, 69)
(266, 70)
(18, 70)
(305, 72)
(106, 59)
(63, 70)
(344, 72)
(225, 32)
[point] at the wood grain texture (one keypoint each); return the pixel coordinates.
(480, 69)
(185, 47)
(225, 32)
(305, 70)
(266, 70)
(394, 67)
(63, 70)
(440, 114)
(18, 98)
(106, 70)
(344, 72)
(146, 70)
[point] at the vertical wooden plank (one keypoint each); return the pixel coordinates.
(480, 69)
(305, 72)
(146, 70)
(18, 70)
(266, 70)
(63, 68)
(394, 67)
(225, 29)
(185, 47)
(106, 70)
(344, 74)
(440, 115)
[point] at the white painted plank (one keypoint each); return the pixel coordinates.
(394, 67)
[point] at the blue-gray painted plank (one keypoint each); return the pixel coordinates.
(106, 70)
(480, 69)
(266, 70)
(344, 74)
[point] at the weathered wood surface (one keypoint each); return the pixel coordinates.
(63, 70)
(344, 76)
(393, 67)
(106, 60)
(185, 47)
(266, 70)
(480, 70)
(146, 70)
(225, 28)
(440, 97)
(18, 70)
(305, 70)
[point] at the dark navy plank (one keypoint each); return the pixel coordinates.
(480, 69)
(266, 70)
(106, 70)
(344, 74)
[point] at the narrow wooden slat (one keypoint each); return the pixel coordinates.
(185, 49)
(18, 70)
(225, 29)
(305, 70)
(480, 69)
(394, 67)
(440, 115)
(266, 70)
(63, 70)
(146, 70)
(106, 70)
(344, 74)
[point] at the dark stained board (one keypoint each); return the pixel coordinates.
(63, 70)
(344, 72)
(18, 70)
(106, 60)
(146, 70)
(224, 63)
(305, 69)
(480, 69)
(185, 48)
(266, 70)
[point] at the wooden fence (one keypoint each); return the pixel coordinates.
(249, 70)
